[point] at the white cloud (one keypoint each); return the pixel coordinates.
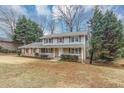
(88, 8)
(42, 10)
(103, 8)
(106, 7)
(114, 9)
(19, 10)
(119, 16)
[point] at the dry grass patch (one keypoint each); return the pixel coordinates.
(41, 73)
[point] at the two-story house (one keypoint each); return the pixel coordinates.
(72, 43)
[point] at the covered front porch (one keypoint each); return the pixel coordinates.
(55, 52)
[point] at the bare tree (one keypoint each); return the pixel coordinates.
(79, 18)
(71, 15)
(43, 23)
(8, 20)
(51, 26)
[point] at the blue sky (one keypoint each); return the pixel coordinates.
(35, 12)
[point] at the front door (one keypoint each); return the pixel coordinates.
(56, 52)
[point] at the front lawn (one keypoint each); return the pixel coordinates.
(30, 72)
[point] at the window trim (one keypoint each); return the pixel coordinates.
(60, 40)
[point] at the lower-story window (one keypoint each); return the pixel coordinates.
(27, 50)
(34, 50)
(74, 50)
(47, 50)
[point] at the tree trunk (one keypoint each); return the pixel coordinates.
(91, 57)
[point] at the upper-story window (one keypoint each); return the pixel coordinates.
(49, 40)
(72, 39)
(60, 40)
(45, 40)
(75, 39)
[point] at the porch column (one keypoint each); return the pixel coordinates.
(22, 51)
(39, 50)
(82, 54)
(60, 51)
(84, 47)
(30, 53)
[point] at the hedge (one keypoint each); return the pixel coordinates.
(36, 54)
(71, 58)
(44, 56)
(3, 50)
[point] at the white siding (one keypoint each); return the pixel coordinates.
(66, 40)
(37, 50)
(82, 38)
(54, 40)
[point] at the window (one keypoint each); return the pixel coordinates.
(60, 40)
(40, 40)
(26, 50)
(48, 50)
(42, 50)
(50, 40)
(74, 50)
(75, 39)
(72, 39)
(34, 50)
(46, 40)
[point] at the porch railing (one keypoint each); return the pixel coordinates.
(50, 55)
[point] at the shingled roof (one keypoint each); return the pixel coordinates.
(65, 34)
(5, 39)
(32, 45)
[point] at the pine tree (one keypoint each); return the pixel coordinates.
(27, 31)
(111, 36)
(96, 31)
(106, 35)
